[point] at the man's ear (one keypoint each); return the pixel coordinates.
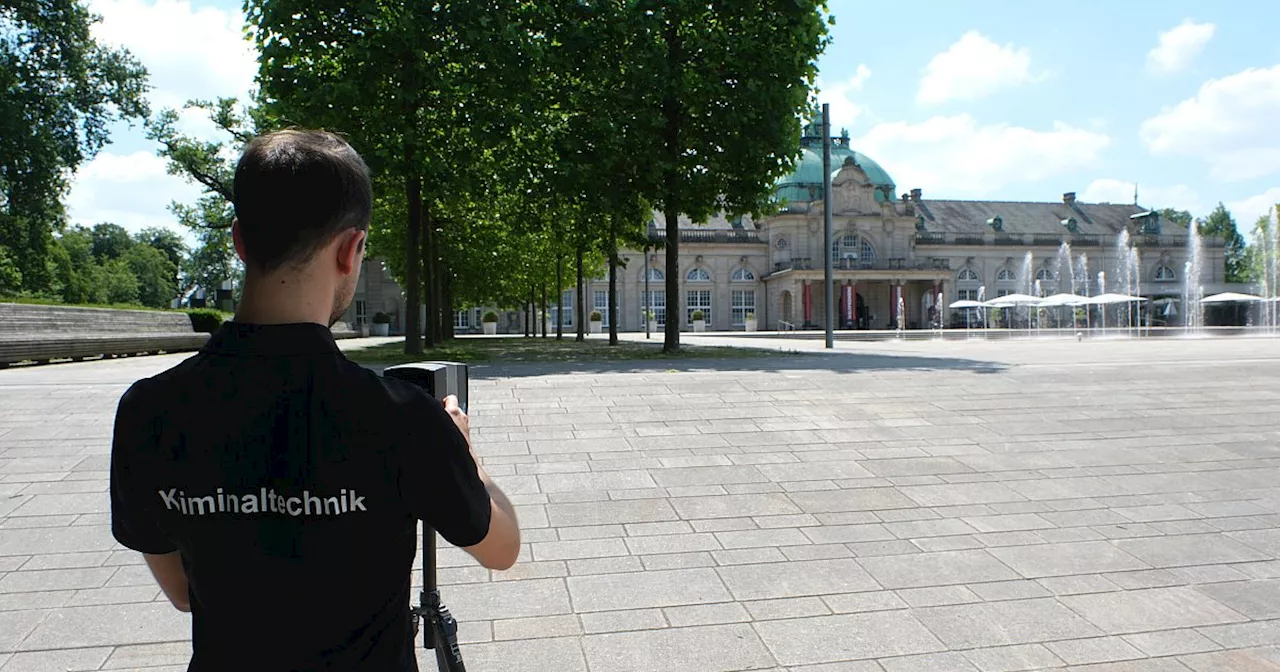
(237, 237)
(351, 250)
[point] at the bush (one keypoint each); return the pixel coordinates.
(596, 316)
(381, 318)
(205, 320)
(751, 316)
(491, 317)
(698, 315)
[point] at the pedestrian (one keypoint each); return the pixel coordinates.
(273, 486)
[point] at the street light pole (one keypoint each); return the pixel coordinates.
(829, 292)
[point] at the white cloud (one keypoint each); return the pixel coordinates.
(1229, 123)
(956, 155)
(974, 67)
(844, 110)
(1109, 190)
(132, 190)
(1247, 211)
(1178, 46)
(189, 52)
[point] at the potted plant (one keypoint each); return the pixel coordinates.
(699, 323)
(381, 324)
(751, 321)
(490, 321)
(597, 322)
(652, 319)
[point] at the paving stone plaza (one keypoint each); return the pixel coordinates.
(892, 507)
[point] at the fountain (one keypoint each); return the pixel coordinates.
(1084, 288)
(1102, 309)
(1270, 271)
(1192, 290)
(1027, 272)
(1135, 263)
(1124, 272)
(902, 315)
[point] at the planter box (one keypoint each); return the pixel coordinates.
(751, 325)
(490, 328)
(653, 325)
(699, 325)
(596, 327)
(364, 330)
(381, 329)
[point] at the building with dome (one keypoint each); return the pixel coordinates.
(894, 254)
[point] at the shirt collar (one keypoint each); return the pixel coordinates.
(242, 338)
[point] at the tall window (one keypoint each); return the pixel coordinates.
(744, 301)
(698, 299)
(698, 275)
(657, 303)
(1005, 275)
(743, 275)
(600, 302)
(1165, 274)
(1003, 292)
(362, 312)
(563, 312)
(967, 295)
(854, 248)
(462, 319)
(968, 275)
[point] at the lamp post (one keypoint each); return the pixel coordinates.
(645, 317)
(829, 289)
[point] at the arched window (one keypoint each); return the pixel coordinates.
(743, 275)
(698, 275)
(968, 275)
(1165, 274)
(853, 247)
(656, 274)
(1044, 274)
(1005, 275)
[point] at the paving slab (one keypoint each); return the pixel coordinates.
(1102, 505)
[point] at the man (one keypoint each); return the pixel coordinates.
(273, 486)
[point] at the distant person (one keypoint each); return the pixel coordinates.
(272, 485)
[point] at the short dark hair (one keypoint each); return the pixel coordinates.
(294, 191)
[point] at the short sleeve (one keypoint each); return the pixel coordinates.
(131, 523)
(438, 480)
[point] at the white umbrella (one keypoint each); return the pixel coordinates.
(1013, 300)
(1108, 299)
(966, 303)
(1231, 297)
(1062, 300)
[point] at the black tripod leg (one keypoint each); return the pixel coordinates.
(444, 630)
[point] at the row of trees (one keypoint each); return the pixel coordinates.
(1244, 258)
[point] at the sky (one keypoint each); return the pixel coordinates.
(981, 99)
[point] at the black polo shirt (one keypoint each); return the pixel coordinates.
(291, 480)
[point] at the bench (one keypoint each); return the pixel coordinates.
(34, 333)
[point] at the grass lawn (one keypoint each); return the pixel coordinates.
(521, 350)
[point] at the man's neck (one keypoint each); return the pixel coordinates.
(280, 299)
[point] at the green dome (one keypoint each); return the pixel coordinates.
(805, 183)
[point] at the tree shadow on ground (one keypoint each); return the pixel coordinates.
(836, 362)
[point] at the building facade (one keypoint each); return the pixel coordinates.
(899, 260)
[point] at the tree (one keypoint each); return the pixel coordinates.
(727, 85)
(1220, 223)
(10, 274)
(61, 90)
(118, 283)
(157, 276)
(110, 241)
(166, 240)
(1180, 217)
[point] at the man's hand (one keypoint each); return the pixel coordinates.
(501, 546)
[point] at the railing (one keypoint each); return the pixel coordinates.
(889, 264)
(709, 236)
(784, 325)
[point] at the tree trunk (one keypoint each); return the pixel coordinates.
(446, 301)
(413, 277)
(559, 296)
(544, 310)
(581, 300)
(613, 280)
(428, 276)
(671, 181)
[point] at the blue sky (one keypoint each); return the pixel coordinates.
(975, 99)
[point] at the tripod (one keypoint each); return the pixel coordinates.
(441, 633)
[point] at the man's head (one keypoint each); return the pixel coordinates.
(303, 200)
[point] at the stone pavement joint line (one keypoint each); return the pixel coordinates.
(1111, 506)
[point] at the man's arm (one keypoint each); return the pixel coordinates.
(172, 577)
(501, 546)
